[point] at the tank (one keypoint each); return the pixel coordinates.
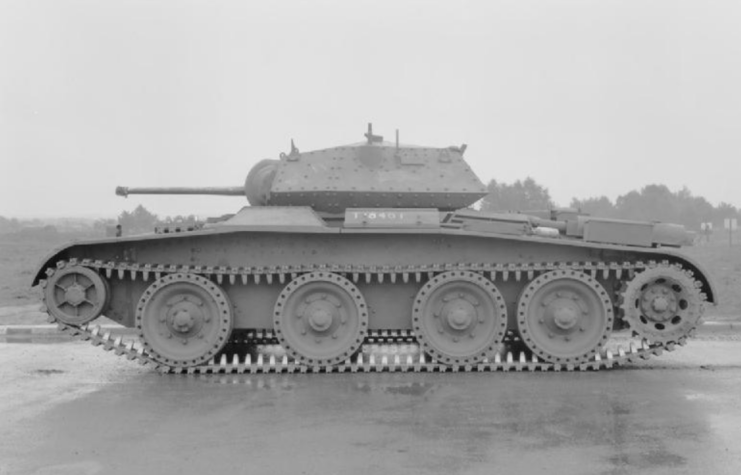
(369, 257)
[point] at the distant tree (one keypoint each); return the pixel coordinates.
(9, 225)
(601, 206)
(138, 221)
(655, 203)
(104, 227)
(724, 211)
(652, 203)
(100, 225)
(526, 195)
(38, 232)
(692, 210)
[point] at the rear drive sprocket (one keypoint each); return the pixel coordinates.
(662, 304)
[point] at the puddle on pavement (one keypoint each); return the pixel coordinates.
(36, 340)
(48, 372)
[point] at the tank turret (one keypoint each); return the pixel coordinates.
(373, 173)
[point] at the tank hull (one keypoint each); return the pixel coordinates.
(372, 252)
(382, 271)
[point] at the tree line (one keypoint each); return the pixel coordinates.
(141, 220)
(650, 203)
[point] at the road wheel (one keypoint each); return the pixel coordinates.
(564, 316)
(459, 317)
(321, 318)
(184, 319)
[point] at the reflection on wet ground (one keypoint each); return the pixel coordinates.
(619, 422)
(466, 416)
(613, 422)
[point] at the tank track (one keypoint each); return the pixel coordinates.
(513, 357)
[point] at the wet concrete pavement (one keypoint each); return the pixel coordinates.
(69, 408)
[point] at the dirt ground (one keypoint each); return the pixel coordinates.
(21, 254)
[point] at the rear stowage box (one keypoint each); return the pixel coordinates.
(628, 233)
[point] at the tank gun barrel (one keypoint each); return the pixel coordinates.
(182, 190)
(256, 187)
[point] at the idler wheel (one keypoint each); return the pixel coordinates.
(564, 316)
(459, 317)
(662, 304)
(321, 319)
(184, 319)
(76, 295)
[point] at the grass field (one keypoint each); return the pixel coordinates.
(723, 262)
(19, 256)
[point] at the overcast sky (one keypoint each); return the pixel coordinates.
(587, 97)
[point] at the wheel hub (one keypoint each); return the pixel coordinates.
(460, 315)
(563, 310)
(185, 315)
(183, 321)
(320, 317)
(565, 317)
(75, 294)
(658, 303)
